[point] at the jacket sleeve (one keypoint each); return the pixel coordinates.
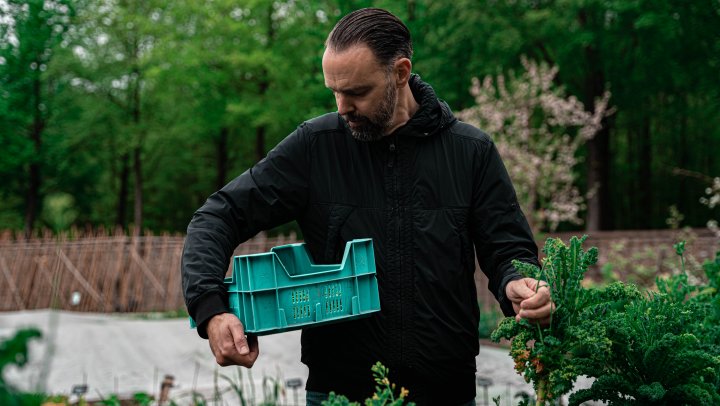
(271, 193)
(499, 229)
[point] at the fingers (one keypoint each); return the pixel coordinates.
(538, 299)
(532, 300)
(229, 343)
(520, 289)
(535, 314)
(535, 284)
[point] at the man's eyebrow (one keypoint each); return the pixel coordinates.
(351, 90)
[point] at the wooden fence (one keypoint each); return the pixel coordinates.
(117, 273)
(102, 273)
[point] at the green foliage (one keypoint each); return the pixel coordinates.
(705, 297)
(641, 348)
(196, 87)
(653, 356)
(138, 399)
(59, 212)
(21, 399)
(175, 99)
(14, 351)
(664, 110)
(385, 392)
(236, 386)
(30, 33)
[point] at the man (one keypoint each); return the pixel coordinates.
(393, 164)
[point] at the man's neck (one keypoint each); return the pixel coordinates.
(405, 109)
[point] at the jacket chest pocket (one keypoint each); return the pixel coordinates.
(442, 241)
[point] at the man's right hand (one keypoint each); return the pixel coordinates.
(228, 342)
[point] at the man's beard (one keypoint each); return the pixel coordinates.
(374, 127)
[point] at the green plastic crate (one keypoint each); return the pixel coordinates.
(284, 290)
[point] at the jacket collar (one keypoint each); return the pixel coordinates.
(432, 115)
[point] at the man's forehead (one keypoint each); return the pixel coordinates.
(354, 67)
(355, 57)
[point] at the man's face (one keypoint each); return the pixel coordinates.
(363, 89)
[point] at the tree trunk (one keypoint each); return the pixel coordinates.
(120, 216)
(598, 217)
(222, 158)
(32, 204)
(33, 198)
(684, 158)
(598, 214)
(137, 172)
(411, 10)
(263, 87)
(629, 209)
(137, 150)
(645, 175)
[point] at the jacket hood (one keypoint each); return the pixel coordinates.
(433, 114)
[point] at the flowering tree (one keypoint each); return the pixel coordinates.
(537, 130)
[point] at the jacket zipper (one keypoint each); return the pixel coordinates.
(396, 235)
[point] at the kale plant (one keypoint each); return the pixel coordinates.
(654, 358)
(544, 355)
(641, 348)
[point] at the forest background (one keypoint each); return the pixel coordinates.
(129, 113)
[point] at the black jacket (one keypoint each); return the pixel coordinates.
(427, 195)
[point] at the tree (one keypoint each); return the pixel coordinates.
(658, 58)
(231, 82)
(113, 46)
(29, 36)
(147, 107)
(537, 130)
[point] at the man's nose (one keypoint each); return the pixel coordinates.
(344, 104)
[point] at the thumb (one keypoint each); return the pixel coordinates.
(238, 334)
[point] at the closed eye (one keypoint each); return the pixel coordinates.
(357, 92)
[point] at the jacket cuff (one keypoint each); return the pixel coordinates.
(505, 303)
(204, 308)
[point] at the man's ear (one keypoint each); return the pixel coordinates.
(402, 68)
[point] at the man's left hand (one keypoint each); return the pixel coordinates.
(530, 299)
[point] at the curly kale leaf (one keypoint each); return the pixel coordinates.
(544, 355)
(654, 353)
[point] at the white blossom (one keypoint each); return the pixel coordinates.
(537, 130)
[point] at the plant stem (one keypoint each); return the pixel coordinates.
(682, 262)
(540, 401)
(542, 339)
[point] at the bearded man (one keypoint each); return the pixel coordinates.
(392, 164)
